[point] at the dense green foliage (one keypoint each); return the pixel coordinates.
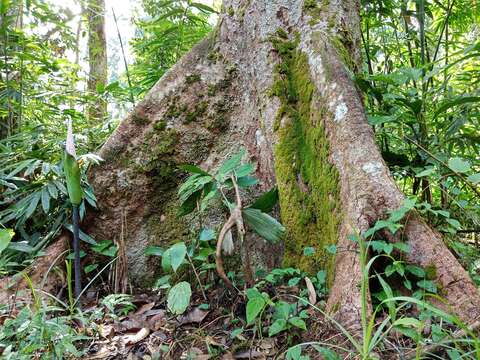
(39, 92)
(421, 79)
(168, 31)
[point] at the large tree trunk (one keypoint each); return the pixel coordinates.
(97, 59)
(273, 77)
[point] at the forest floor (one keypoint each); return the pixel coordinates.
(218, 329)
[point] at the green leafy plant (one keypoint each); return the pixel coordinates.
(201, 188)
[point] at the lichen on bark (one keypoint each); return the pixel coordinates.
(307, 181)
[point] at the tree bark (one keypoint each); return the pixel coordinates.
(97, 59)
(274, 77)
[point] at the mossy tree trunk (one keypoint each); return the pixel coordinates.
(97, 59)
(274, 77)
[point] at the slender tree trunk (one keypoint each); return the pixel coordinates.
(97, 58)
(273, 77)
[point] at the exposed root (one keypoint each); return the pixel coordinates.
(40, 273)
(218, 255)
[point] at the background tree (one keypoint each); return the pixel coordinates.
(97, 59)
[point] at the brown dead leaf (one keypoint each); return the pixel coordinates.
(157, 321)
(144, 308)
(249, 354)
(194, 316)
(130, 324)
(106, 331)
(212, 341)
(227, 356)
(194, 353)
(155, 312)
(102, 350)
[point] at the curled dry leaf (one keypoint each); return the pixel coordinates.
(312, 294)
(131, 339)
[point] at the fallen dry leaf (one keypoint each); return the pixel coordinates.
(131, 339)
(106, 331)
(312, 294)
(144, 308)
(157, 321)
(249, 354)
(194, 316)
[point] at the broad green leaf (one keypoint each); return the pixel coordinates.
(193, 184)
(163, 282)
(415, 270)
(83, 236)
(388, 248)
(253, 293)
(402, 247)
(426, 172)
(174, 256)
(278, 326)
(34, 200)
(21, 246)
(177, 254)
(377, 245)
(254, 307)
(229, 165)
(381, 119)
(266, 201)
(475, 178)
(89, 268)
(294, 353)
(166, 261)
(326, 353)
(207, 235)
(428, 285)
(244, 170)
(458, 165)
(6, 236)
(246, 181)
(263, 224)
(454, 223)
(283, 310)
(179, 298)
(408, 321)
(298, 322)
(458, 101)
(154, 251)
(71, 256)
(193, 169)
(236, 332)
(45, 200)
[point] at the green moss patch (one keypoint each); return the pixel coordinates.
(307, 182)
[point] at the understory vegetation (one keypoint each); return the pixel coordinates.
(421, 86)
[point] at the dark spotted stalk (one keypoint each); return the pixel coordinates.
(76, 251)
